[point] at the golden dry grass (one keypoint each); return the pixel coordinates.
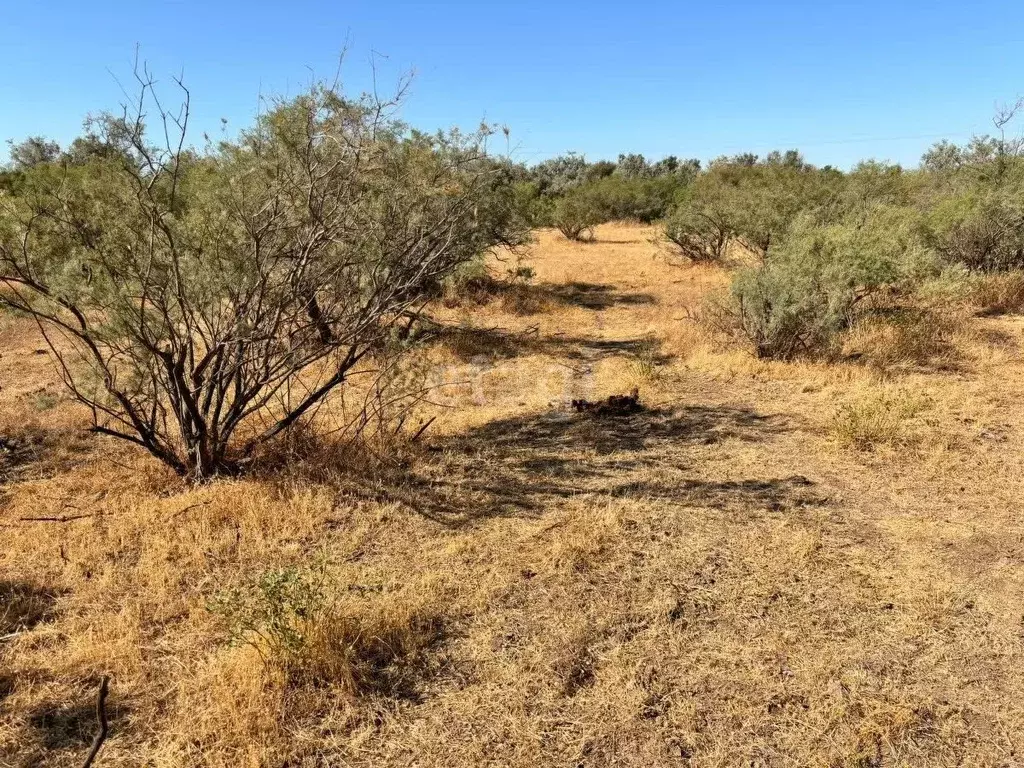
(722, 580)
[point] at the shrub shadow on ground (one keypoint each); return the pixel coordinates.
(24, 605)
(533, 298)
(518, 466)
(470, 342)
(776, 494)
(596, 296)
(37, 452)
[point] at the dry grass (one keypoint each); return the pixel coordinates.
(882, 418)
(714, 582)
(906, 337)
(999, 294)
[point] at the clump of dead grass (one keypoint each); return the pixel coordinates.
(904, 336)
(880, 418)
(999, 293)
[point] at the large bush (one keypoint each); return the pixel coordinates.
(184, 294)
(644, 199)
(973, 200)
(748, 201)
(981, 229)
(559, 175)
(701, 234)
(798, 301)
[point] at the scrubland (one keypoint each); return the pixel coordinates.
(774, 563)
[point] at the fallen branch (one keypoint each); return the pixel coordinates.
(101, 716)
(61, 519)
(189, 508)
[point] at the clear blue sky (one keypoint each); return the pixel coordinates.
(839, 80)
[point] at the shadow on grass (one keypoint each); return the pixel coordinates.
(61, 726)
(24, 605)
(596, 296)
(519, 466)
(777, 494)
(67, 728)
(533, 298)
(471, 342)
(37, 452)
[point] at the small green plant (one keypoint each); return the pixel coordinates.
(44, 400)
(288, 615)
(277, 613)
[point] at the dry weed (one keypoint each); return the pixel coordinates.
(999, 294)
(879, 418)
(904, 337)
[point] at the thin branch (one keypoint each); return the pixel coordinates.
(101, 717)
(61, 519)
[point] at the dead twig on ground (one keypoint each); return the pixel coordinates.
(61, 518)
(101, 717)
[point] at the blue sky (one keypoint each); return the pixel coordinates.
(840, 80)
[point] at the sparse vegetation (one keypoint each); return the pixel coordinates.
(999, 294)
(474, 494)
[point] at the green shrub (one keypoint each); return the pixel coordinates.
(980, 229)
(558, 175)
(278, 613)
(644, 199)
(750, 202)
(535, 209)
(806, 293)
(700, 236)
(576, 214)
(785, 310)
(189, 290)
